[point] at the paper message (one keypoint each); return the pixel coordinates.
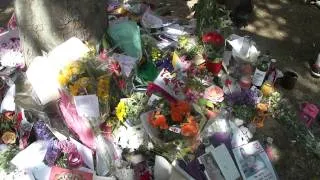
(87, 106)
(33, 154)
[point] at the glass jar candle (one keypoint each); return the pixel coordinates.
(267, 89)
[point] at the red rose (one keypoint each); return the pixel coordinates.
(213, 38)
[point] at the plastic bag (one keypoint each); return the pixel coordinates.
(243, 48)
(126, 35)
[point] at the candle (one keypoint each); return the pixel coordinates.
(267, 89)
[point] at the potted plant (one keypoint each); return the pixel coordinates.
(213, 51)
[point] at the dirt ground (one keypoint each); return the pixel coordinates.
(289, 29)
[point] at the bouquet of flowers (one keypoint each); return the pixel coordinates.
(213, 45)
(174, 120)
(130, 108)
(83, 78)
(9, 125)
(188, 46)
(62, 153)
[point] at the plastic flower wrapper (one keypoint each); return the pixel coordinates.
(126, 35)
(87, 107)
(62, 153)
(218, 129)
(10, 50)
(105, 153)
(76, 124)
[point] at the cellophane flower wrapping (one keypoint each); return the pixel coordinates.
(76, 123)
(10, 49)
(104, 155)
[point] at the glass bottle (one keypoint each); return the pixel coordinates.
(261, 71)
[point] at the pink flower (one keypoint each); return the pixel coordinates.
(214, 93)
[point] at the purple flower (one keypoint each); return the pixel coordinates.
(53, 153)
(42, 132)
(244, 97)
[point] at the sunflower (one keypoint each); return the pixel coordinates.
(121, 110)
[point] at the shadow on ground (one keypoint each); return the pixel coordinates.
(289, 30)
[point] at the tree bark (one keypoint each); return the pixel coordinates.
(44, 24)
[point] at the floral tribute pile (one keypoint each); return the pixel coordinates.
(152, 87)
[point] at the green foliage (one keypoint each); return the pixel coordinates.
(244, 112)
(211, 16)
(285, 115)
(63, 161)
(6, 156)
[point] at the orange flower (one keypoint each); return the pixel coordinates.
(176, 116)
(158, 120)
(190, 128)
(183, 106)
(179, 110)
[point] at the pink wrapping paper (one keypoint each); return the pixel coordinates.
(75, 123)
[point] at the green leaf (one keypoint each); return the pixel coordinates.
(210, 104)
(202, 102)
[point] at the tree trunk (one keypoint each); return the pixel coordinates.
(44, 24)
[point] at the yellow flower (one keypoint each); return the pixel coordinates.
(121, 110)
(83, 82)
(62, 80)
(103, 88)
(76, 67)
(9, 137)
(74, 89)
